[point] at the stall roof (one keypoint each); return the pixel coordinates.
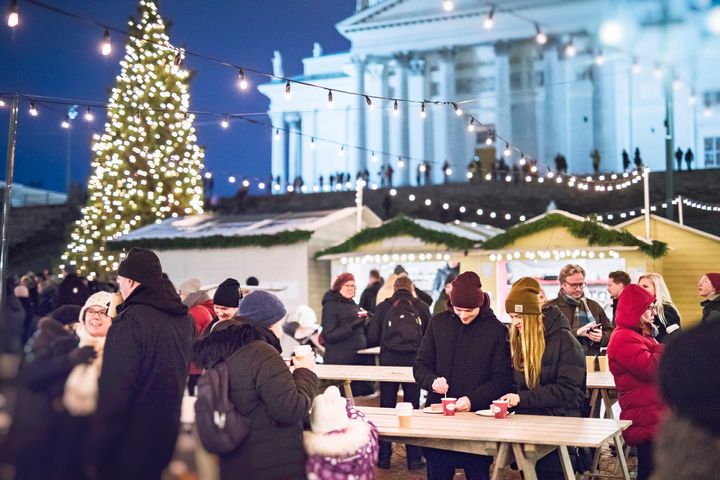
(456, 235)
(671, 223)
(595, 233)
(268, 229)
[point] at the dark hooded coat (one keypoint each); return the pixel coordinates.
(262, 389)
(145, 367)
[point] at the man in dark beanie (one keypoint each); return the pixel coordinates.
(464, 354)
(225, 303)
(145, 366)
(688, 446)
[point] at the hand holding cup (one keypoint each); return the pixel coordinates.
(306, 361)
(440, 385)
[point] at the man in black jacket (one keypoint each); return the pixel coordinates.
(399, 344)
(464, 354)
(145, 365)
(367, 299)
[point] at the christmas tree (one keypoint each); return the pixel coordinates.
(146, 165)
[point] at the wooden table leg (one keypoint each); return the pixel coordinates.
(524, 463)
(608, 404)
(348, 391)
(621, 456)
(566, 463)
(593, 402)
(500, 460)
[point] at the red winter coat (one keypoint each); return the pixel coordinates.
(203, 314)
(633, 359)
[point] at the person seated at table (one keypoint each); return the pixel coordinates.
(548, 362)
(464, 354)
(634, 355)
(343, 443)
(343, 323)
(398, 327)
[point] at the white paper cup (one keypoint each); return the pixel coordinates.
(302, 351)
(404, 413)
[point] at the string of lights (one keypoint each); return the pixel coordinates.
(243, 83)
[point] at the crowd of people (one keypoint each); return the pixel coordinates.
(102, 380)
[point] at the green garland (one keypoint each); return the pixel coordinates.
(214, 241)
(397, 227)
(591, 231)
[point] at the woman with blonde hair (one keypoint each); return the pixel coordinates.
(667, 317)
(548, 363)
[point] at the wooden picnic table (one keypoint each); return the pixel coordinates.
(369, 351)
(528, 437)
(600, 385)
(366, 373)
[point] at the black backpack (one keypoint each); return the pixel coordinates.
(220, 426)
(403, 329)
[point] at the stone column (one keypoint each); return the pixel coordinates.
(401, 75)
(556, 133)
(449, 143)
(608, 125)
(419, 127)
(359, 161)
(376, 119)
(279, 158)
(310, 170)
(294, 146)
(504, 98)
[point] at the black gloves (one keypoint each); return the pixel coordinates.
(80, 355)
(63, 344)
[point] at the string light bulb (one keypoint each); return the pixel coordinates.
(373, 157)
(369, 102)
(89, 117)
(570, 49)
(677, 84)
(33, 110)
(401, 162)
(471, 125)
(600, 58)
(208, 175)
(423, 113)
(14, 15)
(636, 67)
(342, 151)
(2, 103)
(522, 159)
(277, 134)
(231, 179)
(489, 139)
(225, 122)
(177, 62)
(458, 110)
(507, 150)
(106, 45)
(66, 122)
(448, 5)
(540, 36)
(692, 99)
(396, 109)
(287, 90)
(489, 21)
(242, 81)
(657, 72)
(330, 99)
(312, 142)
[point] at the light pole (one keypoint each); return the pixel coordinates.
(9, 170)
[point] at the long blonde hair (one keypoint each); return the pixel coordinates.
(527, 347)
(662, 294)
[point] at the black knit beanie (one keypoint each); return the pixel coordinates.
(141, 265)
(67, 314)
(227, 293)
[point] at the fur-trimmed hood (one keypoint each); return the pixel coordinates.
(196, 298)
(226, 338)
(338, 444)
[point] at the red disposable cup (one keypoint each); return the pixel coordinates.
(500, 408)
(448, 406)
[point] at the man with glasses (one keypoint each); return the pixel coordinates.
(587, 318)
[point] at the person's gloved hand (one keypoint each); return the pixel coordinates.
(63, 344)
(84, 354)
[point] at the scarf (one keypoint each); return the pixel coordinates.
(81, 386)
(583, 315)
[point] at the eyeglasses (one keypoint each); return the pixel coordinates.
(575, 285)
(96, 313)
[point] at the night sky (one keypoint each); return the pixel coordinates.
(56, 56)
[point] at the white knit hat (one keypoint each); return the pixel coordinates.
(328, 411)
(101, 299)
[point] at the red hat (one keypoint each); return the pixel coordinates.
(715, 280)
(467, 291)
(341, 280)
(632, 303)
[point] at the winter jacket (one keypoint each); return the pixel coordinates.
(12, 314)
(379, 320)
(343, 330)
(633, 359)
(44, 441)
(711, 310)
(441, 303)
(351, 453)
(473, 358)
(262, 389)
(145, 367)
(561, 390)
(202, 311)
(367, 299)
(589, 347)
(672, 323)
(441, 276)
